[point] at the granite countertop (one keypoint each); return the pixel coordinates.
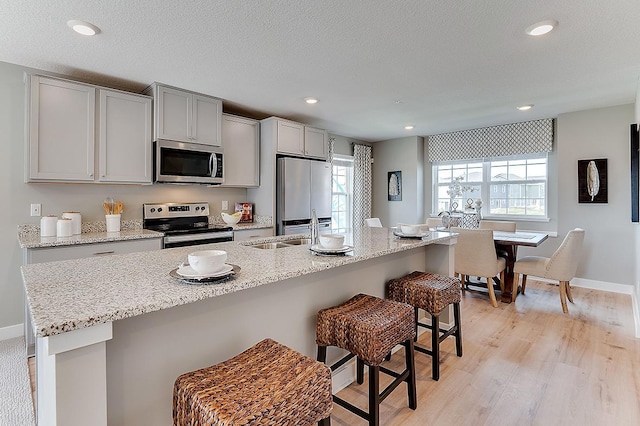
(253, 225)
(34, 240)
(74, 294)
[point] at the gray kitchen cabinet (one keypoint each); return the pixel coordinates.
(316, 142)
(185, 116)
(61, 130)
(252, 234)
(241, 143)
(124, 139)
(62, 135)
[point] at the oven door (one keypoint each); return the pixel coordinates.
(184, 240)
(180, 162)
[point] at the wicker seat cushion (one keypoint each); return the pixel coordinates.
(366, 326)
(268, 384)
(431, 292)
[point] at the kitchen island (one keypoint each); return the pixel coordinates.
(114, 332)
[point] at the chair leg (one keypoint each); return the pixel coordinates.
(325, 422)
(409, 356)
(514, 292)
(415, 321)
(435, 347)
(360, 371)
(458, 333)
(374, 396)
(569, 296)
(563, 296)
(492, 295)
(524, 282)
(322, 354)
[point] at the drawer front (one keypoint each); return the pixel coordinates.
(80, 251)
(252, 234)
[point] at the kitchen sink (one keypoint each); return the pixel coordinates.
(282, 244)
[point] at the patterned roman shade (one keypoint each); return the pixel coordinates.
(498, 141)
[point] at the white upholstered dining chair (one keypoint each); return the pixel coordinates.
(434, 222)
(476, 256)
(498, 225)
(561, 266)
(373, 222)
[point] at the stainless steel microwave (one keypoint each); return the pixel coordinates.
(181, 162)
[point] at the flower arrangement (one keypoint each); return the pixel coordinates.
(456, 189)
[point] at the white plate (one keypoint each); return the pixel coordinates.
(187, 271)
(403, 235)
(319, 249)
(206, 280)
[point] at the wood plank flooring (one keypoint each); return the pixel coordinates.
(525, 363)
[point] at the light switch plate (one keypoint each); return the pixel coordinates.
(36, 209)
(225, 205)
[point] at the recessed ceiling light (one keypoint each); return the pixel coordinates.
(541, 28)
(82, 27)
(525, 107)
(409, 127)
(311, 100)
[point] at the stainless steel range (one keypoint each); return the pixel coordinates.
(184, 224)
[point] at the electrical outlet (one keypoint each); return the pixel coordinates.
(225, 205)
(36, 209)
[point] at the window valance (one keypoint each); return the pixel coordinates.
(498, 141)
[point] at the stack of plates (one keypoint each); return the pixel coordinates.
(318, 249)
(419, 235)
(188, 275)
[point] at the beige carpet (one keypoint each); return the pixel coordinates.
(16, 406)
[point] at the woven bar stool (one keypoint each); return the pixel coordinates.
(369, 327)
(268, 384)
(433, 293)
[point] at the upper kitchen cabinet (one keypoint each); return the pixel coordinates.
(61, 130)
(240, 138)
(63, 118)
(300, 140)
(186, 116)
(124, 139)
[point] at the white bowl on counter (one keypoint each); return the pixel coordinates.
(331, 241)
(230, 219)
(409, 229)
(207, 261)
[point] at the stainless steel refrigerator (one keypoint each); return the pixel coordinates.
(302, 185)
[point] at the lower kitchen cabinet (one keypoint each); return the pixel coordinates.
(241, 143)
(252, 234)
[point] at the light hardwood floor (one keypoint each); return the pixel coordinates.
(525, 363)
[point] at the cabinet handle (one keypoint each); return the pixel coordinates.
(102, 253)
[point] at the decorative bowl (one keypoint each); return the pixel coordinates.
(207, 261)
(231, 219)
(331, 241)
(409, 229)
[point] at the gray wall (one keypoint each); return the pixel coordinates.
(405, 155)
(56, 198)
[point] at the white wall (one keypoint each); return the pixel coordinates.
(56, 198)
(405, 155)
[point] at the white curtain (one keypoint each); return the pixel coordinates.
(361, 184)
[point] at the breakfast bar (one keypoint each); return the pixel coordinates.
(113, 333)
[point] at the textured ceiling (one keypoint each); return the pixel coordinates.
(375, 65)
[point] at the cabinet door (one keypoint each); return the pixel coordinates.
(240, 139)
(316, 142)
(61, 130)
(173, 114)
(124, 138)
(207, 118)
(290, 137)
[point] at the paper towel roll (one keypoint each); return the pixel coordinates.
(76, 220)
(48, 226)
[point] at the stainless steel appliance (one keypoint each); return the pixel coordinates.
(180, 162)
(184, 224)
(301, 186)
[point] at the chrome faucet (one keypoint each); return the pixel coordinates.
(314, 227)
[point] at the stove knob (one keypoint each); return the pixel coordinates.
(159, 209)
(197, 208)
(153, 209)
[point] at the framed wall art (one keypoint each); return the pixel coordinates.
(592, 181)
(394, 180)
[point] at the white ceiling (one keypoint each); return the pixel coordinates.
(451, 64)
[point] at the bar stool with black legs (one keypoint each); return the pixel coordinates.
(433, 293)
(268, 384)
(369, 327)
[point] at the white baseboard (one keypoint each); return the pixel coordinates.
(592, 284)
(11, 331)
(636, 312)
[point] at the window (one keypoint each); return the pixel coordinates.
(342, 194)
(514, 187)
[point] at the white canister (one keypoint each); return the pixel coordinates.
(48, 226)
(64, 227)
(76, 220)
(113, 222)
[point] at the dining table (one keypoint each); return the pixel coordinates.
(508, 242)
